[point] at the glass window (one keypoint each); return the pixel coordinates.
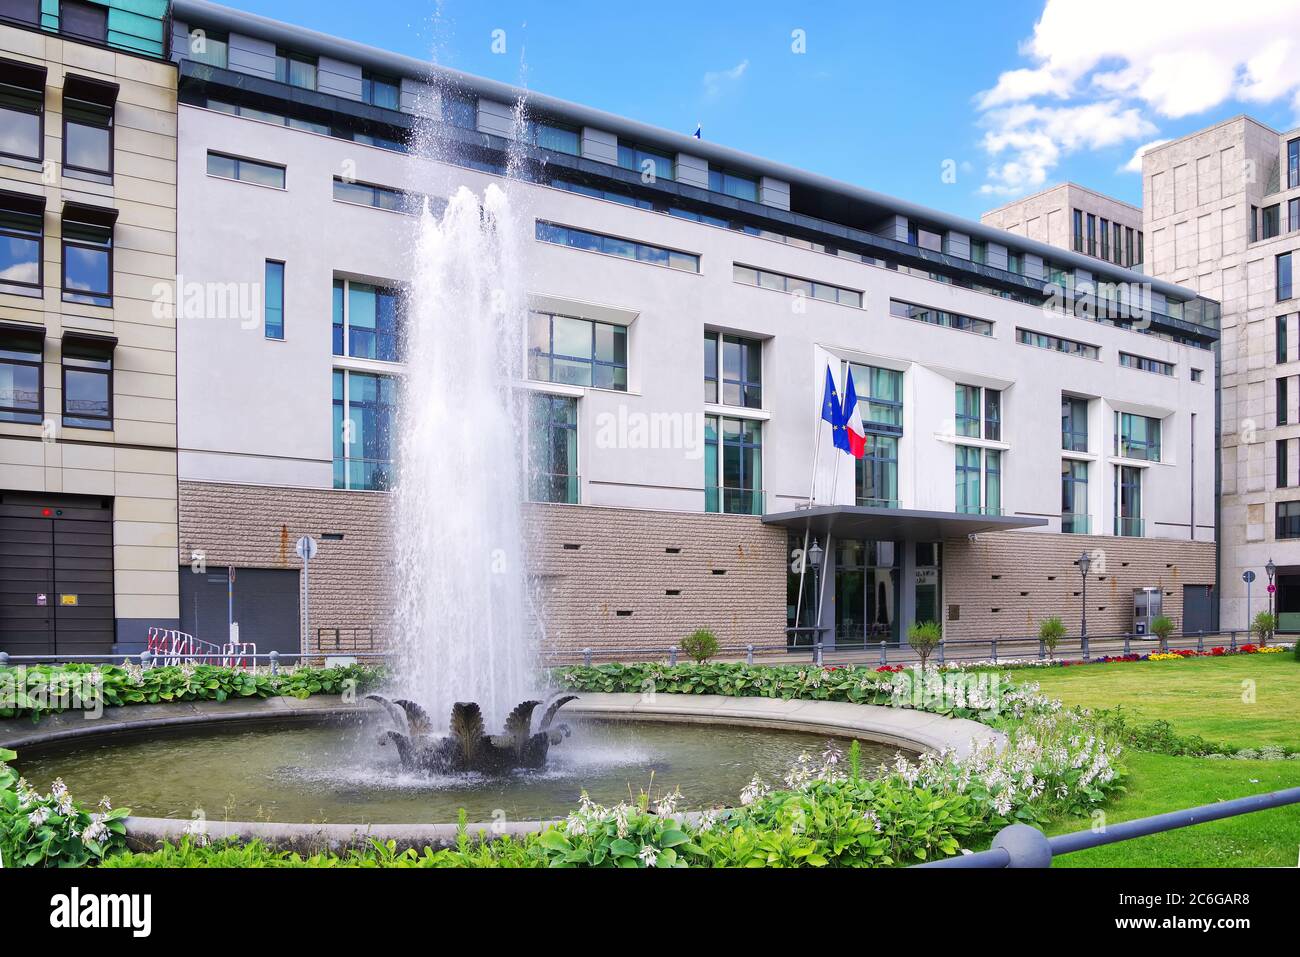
(741, 362)
(979, 251)
(85, 21)
(385, 91)
(1128, 501)
(613, 246)
(247, 171)
(646, 161)
(20, 377)
(366, 194)
(1078, 230)
(992, 414)
(580, 352)
(21, 233)
(733, 184)
(795, 286)
(1281, 339)
(364, 408)
(207, 46)
(1074, 424)
(1130, 361)
(555, 136)
(939, 317)
(1280, 471)
(368, 321)
(21, 115)
(296, 69)
(21, 11)
(1137, 437)
(1282, 402)
(87, 136)
(1105, 239)
(733, 463)
(880, 398)
(1288, 520)
(1015, 262)
(1292, 215)
(273, 300)
(968, 410)
(1293, 163)
(968, 479)
(1270, 221)
(87, 392)
(1284, 277)
(553, 449)
(87, 264)
(460, 110)
(877, 471)
(992, 482)
(1041, 340)
(1074, 497)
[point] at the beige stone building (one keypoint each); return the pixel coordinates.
(1075, 217)
(88, 529)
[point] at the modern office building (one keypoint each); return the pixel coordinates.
(87, 338)
(1070, 216)
(1023, 404)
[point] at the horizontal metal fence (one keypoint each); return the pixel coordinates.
(1021, 845)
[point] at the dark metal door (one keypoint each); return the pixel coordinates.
(1196, 608)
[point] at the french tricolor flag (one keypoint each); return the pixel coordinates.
(855, 436)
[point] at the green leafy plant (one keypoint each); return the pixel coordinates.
(1263, 627)
(924, 637)
(1050, 632)
(700, 645)
(53, 830)
(1162, 626)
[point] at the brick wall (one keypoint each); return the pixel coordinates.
(1028, 576)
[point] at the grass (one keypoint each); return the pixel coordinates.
(1205, 696)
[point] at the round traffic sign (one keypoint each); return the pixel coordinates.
(306, 548)
(1248, 576)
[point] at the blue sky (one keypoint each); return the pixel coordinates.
(1016, 94)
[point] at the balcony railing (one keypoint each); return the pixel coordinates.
(556, 487)
(733, 501)
(979, 509)
(1129, 527)
(878, 502)
(373, 475)
(1076, 524)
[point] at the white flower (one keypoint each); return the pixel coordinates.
(649, 855)
(39, 816)
(752, 791)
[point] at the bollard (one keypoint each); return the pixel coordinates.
(4, 659)
(586, 657)
(145, 659)
(1200, 641)
(672, 656)
(884, 655)
(817, 654)
(993, 648)
(1042, 649)
(275, 662)
(749, 654)
(941, 651)
(1233, 640)
(1128, 644)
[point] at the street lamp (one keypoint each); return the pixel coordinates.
(815, 559)
(1270, 570)
(1085, 562)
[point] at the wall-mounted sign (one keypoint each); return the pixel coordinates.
(927, 576)
(42, 599)
(67, 599)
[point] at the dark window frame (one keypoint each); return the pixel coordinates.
(747, 383)
(19, 207)
(266, 304)
(239, 162)
(550, 355)
(1286, 525)
(30, 341)
(88, 8)
(369, 79)
(85, 348)
(91, 96)
(288, 57)
(27, 81)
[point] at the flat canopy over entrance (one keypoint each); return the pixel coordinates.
(894, 524)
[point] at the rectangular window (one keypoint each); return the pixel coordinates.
(85, 21)
(555, 136)
(1292, 215)
(385, 91)
(22, 229)
(1137, 437)
(22, 111)
(296, 69)
(968, 411)
(1281, 339)
(210, 47)
(992, 482)
(1128, 501)
(939, 317)
(733, 184)
(88, 381)
(880, 398)
(646, 161)
(1128, 246)
(273, 300)
(877, 472)
(918, 235)
(733, 465)
(740, 362)
(979, 251)
(88, 124)
(553, 449)
(21, 372)
(1105, 239)
(1280, 471)
(1293, 163)
(460, 110)
(993, 415)
(245, 170)
(88, 254)
(1092, 235)
(368, 321)
(580, 352)
(1074, 497)
(1015, 262)
(21, 11)
(1130, 361)
(1270, 221)
(1074, 424)
(1288, 520)
(1281, 401)
(1254, 223)
(811, 289)
(1042, 340)
(364, 408)
(1117, 240)
(1078, 230)
(1197, 375)
(1283, 269)
(614, 246)
(367, 194)
(1141, 255)
(968, 480)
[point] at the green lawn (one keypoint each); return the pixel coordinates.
(1205, 696)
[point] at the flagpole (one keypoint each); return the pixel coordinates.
(812, 494)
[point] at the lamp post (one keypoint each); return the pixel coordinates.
(1270, 570)
(1085, 562)
(815, 559)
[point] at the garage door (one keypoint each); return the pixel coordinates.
(265, 606)
(56, 575)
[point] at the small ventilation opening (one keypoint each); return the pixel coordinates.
(673, 551)
(624, 613)
(719, 571)
(672, 591)
(569, 547)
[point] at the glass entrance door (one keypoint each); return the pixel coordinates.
(866, 592)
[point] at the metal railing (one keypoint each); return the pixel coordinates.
(147, 659)
(1021, 845)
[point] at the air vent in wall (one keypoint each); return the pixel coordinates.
(719, 571)
(571, 548)
(673, 551)
(672, 591)
(624, 613)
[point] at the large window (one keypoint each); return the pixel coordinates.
(22, 110)
(1078, 230)
(968, 480)
(766, 279)
(88, 125)
(733, 465)
(733, 184)
(577, 351)
(1074, 424)
(88, 254)
(1128, 501)
(554, 136)
(22, 228)
(614, 246)
(1130, 361)
(210, 47)
(1280, 385)
(1137, 437)
(364, 408)
(296, 69)
(1074, 497)
(21, 11)
(647, 162)
(85, 21)
(979, 412)
(880, 398)
(460, 110)
(21, 350)
(1283, 268)
(877, 472)
(1287, 520)
(1293, 163)
(553, 449)
(367, 194)
(273, 300)
(245, 170)
(1281, 470)
(1042, 340)
(939, 317)
(385, 91)
(1281, 338)
(88, 381)
(733, 370)
(367, 321)
(1270, 221)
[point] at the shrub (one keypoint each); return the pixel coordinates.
(1162, 626)
(1050, 632)
(924, 637)
(700, 645)
(53, 830)
(1263, 626)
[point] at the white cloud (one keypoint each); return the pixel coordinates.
(716, 82)
(1134, 165)
(1116, 66)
